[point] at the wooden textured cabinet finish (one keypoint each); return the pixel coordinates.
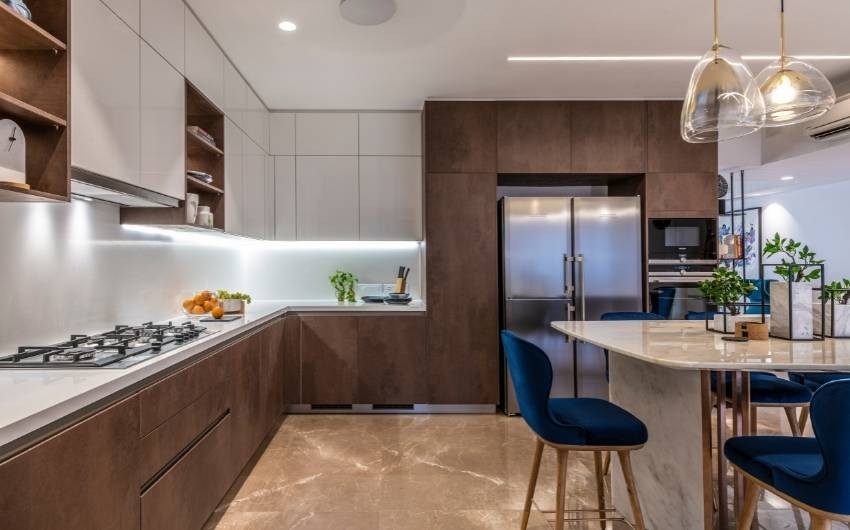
(462, 283)
(460, 136)
(681, 195)
(84, 477)
(666, 151)
(328, 359)
(391, 355)
(271, 371)
(246, 406)
(534, 137)
(292, 360)
(186, 495)
(608, 137)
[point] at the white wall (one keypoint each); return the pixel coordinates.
(71, 268)
(818, 217)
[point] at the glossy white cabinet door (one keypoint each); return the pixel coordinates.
(390, 198)
(163, 26)
(235, 94)
(256, 120)
(127, 10)
(204, 61)
(390, 133)
(105, 87)
(270, 198)
(163, 115)
(325, 133)
(326, 191)
(284, 177)
(234, 196)
(254, 179)
(282, 133)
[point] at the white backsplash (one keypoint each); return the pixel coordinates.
(72, 268)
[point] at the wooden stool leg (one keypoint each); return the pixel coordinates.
(606, 463)
(820, 523)
(562, 489)
(532, 483)
(793, 421)
(751, 501)
(600, 487)
(754, 421)
(626, 464)
(804, 419)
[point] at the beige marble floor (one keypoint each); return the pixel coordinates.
(404, 472)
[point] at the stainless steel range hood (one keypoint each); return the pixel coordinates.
(87, 184)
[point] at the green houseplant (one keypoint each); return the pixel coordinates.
(725, 289)
(343, 283)
(794, 320)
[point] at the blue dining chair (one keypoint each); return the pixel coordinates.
(813, 381)
(769, 390)
(810, 473)
(570, 424)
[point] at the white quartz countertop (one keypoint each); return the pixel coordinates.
(34, 400)
(687, 345)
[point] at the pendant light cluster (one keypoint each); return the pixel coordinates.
(725, 101)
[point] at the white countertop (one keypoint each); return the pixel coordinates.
(687, 345)
(34, 399)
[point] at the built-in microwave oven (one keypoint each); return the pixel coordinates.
(682, 240)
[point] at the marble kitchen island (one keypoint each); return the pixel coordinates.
(660, 371)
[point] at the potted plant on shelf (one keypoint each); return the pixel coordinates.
(837, 316)
(726, 289)
(343, 283)
(233, 303)
(798, 269)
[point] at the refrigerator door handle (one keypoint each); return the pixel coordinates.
(569, 288)
(580, 260)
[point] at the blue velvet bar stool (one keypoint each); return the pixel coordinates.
(810, 473)
(769, 390)
(813, 381)
(570, 424)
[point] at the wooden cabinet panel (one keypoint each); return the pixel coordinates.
(608, 137)
(462, 283)
(328, 359)
(460, 137)
(391, 359)
(246, 407)
(681, 195)
(84, 477)
(534, 137)
(666, 151)
(186, 495)
(292, 360)
(271, 382)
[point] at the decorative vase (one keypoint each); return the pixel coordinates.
(799, 314)
(731, 320)
(842, 319)
(20, 7)
(232, 306)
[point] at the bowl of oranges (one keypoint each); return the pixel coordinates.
(201, 304)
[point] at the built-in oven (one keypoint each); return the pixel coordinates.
(673, 289)
(682, 241)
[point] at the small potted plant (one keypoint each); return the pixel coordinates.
(233, 303)
(837, 316)
(797, 274)
(343, 283)
(726, 289)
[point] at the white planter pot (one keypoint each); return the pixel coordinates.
(232, 307)
(802, 312)
(842, 319)
(731, 320)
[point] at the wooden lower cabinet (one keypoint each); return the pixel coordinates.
(328, 359)
(292, 360)
(391, 354)
(82, 478)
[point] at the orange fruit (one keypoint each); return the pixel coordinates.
(188, 304)
(199, 299)
(217, 312)
(198, 310)
(208, 306)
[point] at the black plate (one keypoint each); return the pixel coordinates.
(373, 299)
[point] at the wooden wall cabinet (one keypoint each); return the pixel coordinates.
(666, 151)
(681, 195)
(534, 137)
(608, 137)
(460, 137)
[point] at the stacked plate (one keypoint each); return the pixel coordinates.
(398, 298)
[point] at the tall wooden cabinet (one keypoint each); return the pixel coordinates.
(608, 137)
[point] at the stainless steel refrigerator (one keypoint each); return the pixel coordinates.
(568, 258)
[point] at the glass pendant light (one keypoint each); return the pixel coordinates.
(793, 91)
(723, 101)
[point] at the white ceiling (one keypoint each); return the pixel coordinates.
(459, 48)
(818, 168)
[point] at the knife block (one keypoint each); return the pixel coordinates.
(400, 285)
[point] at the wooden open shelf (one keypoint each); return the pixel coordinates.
(199, 186)
(14, 108)
(10, 193)
(18, 33)
(196, 142)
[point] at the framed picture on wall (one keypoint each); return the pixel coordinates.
(748, 229)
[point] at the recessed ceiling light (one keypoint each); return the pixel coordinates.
(287, 25)
(655, 58)
(787, 177)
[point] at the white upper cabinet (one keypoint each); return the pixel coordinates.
(390, 133)
(270, 198)
(256, 120)
(234, 195)
(163, 114)
(204, 61)
(163, 27)
(326, 133)
(284, 198)
(128, 10)
(105, 86)
(390, 198)
(282, 133)
(235, 94)
(254, 185)
(327, 198)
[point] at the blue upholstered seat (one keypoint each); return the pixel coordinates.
(564, 421)
(814, 471)
(699, 315)
(814, 380)
(768, 389)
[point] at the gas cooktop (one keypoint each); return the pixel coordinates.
(120, 348)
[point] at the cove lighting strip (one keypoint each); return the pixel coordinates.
(655, 58)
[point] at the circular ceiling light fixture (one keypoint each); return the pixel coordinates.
(367, 12)
(287, 25)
